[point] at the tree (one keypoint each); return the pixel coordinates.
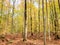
(39, 16)
(44, 22)
(52, 16)
(12, 29)
(47, 18)
(8, 13)
(2, 1)
(56, 24)
(31, 18)
(25, 24)
(59, 3)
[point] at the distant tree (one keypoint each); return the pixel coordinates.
(59, 3)
(47, 19)
(35, 25)
(39, 15)
(51, 16)
(31, 17)
(12, 25)
(8, 13)
(56, 24)
(2, 1)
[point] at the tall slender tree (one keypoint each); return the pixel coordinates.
(35, 26)
(31, 17)
(25, 24)
(59, 3)
(47, 18)
(51, 15)
(44, 19)
(56, 24)
(39, 15)
(12, 29)
(8, 13)
(2, 1)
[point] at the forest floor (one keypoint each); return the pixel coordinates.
(36, 39)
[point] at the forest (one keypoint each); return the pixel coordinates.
(29, 22)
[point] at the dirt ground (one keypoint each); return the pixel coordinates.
(36, 39)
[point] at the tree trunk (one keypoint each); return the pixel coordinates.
(12, 23)
(59, 3)
(1, 28)
(52, 16)
(39, 16)
(56, 21)
(44, 22)
(48, 28)
(25, 24)
(8, 13)
(31, 19)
